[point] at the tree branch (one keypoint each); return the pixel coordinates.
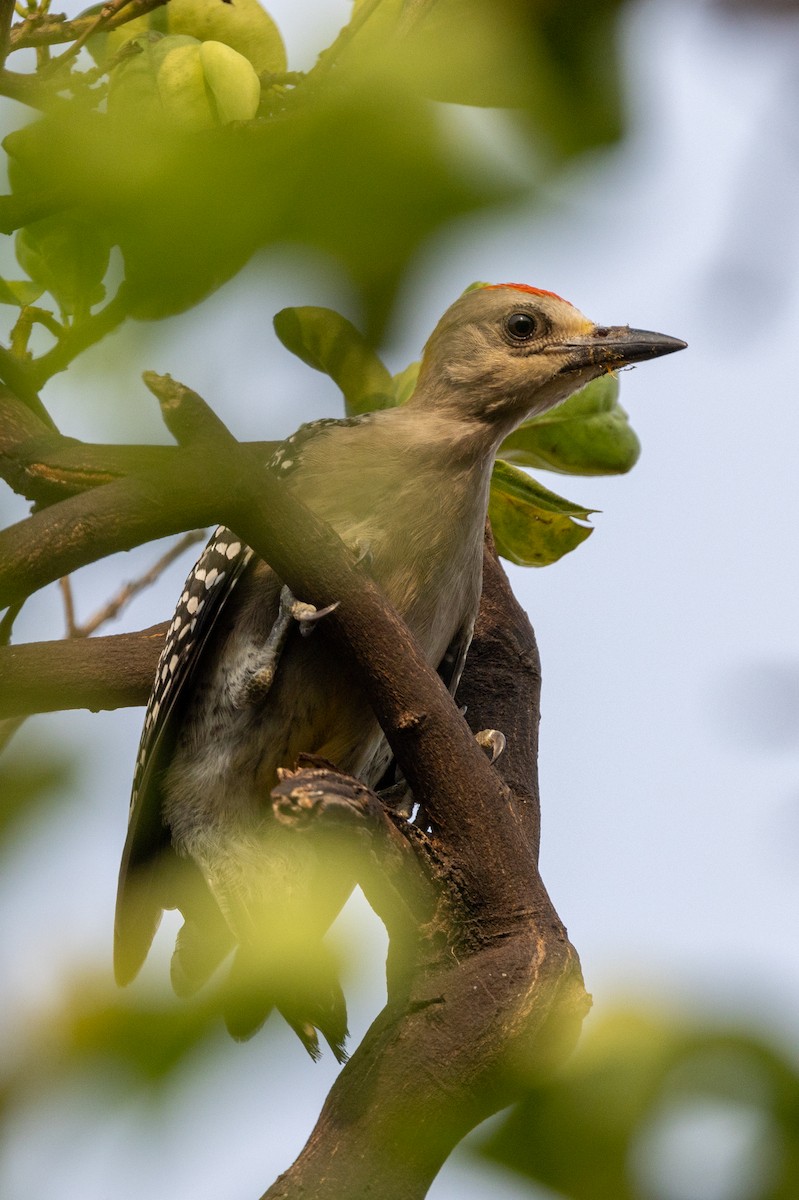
(93, 673)
(6, 17)
(78, 338)
(462, 1031)
(52, 28)
(117, 516)
(123, 596)
(490, 986)
(46, 467)
(19, 378)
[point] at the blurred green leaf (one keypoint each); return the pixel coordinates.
(404, 382)
(28, 783)
(360, 172)
(557, 64)
(180, 81)
(589, 434)
(66, 256)
(330, 343)
(152, 1037)
(532, 526)
(583, 1135)
(19, 292)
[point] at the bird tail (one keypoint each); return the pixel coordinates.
(309, 997)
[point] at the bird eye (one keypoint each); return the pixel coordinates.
(521, 326)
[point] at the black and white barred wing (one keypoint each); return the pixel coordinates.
(140, 896)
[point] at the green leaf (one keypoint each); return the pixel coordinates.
(590, 1134)
(149, 1036)
(19, 292)
(589, 434)
(28, 783)
(66, 256)
(361, 173)
(330, 343)
(557, 64)
(404, 382)
(532, 526)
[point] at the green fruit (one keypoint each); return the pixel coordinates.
(231, 79)
(243, 25)
(185, 83)
(181, 87)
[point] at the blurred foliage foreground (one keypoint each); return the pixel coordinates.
(150, 177)
(652, 1106)
(189, 145)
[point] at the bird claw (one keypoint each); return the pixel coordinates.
(303, 796)
(492, 741)
(363, 553)
(306, 615)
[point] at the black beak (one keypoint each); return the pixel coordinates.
(617, 345)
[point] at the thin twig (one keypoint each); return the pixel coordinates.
(281, 78)
(53, 29)
(69, 605)
(8, 727)
(107, 12)
(19, 378)
(7, 623)
(6, 17)
(76, 339)
(131, 589)
(21, 332)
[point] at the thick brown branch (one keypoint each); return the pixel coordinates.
(456, 1045)
(92, 525)
(491, 979)
(46, 467)
(94, 673)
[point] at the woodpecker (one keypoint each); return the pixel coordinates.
(239, 693)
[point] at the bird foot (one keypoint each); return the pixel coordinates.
(398, 798)
(306, 615)
(363, 553)
(492, 741)
(260, 680)
(302, 797)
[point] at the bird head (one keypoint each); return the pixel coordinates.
(503, 352)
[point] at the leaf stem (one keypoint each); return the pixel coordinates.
(128, 590)
(76, 339)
